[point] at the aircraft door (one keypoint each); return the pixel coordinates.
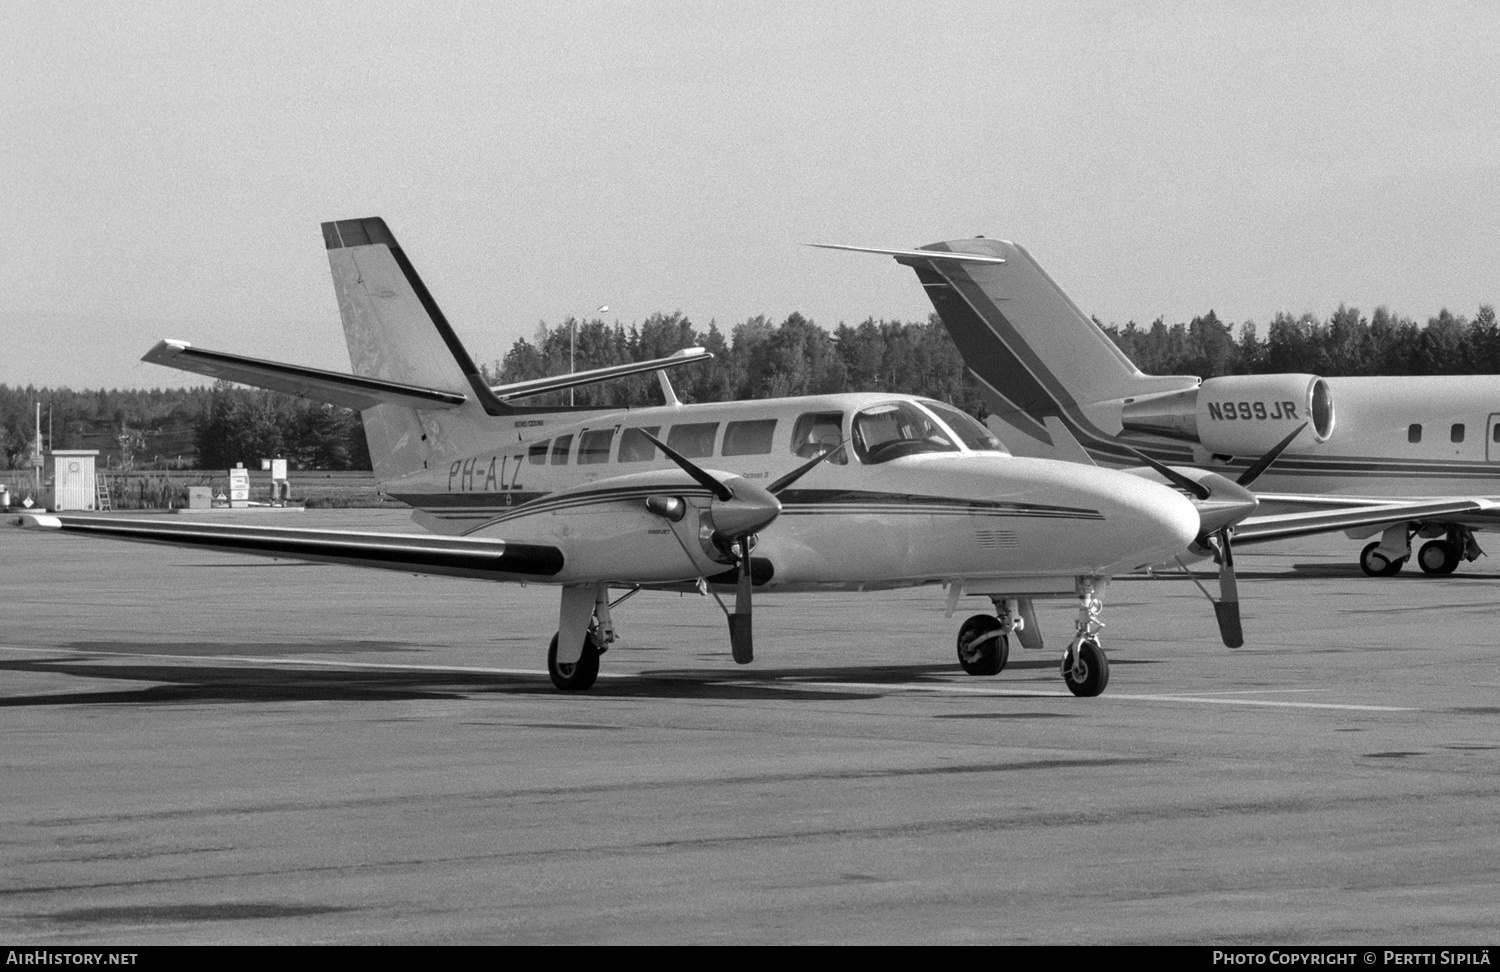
(1492, 438)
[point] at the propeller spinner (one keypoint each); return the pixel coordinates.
(1221, 504)
(739, 510)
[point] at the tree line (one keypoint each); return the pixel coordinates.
(215, 427)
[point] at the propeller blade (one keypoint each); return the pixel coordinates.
(699, 474)
(741, 643)
(1264, 462)
(1173, 476)
(775, 488)
(1227, 607)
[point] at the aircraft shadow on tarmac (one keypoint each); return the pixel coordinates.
(227, 682)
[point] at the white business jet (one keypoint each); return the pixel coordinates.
(1058, 387)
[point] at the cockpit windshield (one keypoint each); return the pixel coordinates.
(974, 435)
(889, 431)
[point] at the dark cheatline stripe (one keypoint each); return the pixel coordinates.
(802, 500)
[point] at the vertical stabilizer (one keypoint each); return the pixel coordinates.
(396, 332)
(1037, 355)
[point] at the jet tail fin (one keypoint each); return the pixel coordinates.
(1036, 354)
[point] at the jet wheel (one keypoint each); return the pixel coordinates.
(986, 656)
(580, 675)
(1438, 557)
(1375, 565)
(1093, 670)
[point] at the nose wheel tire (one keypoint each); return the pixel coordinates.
(980, 650)
(1375, 565)
(1438, 557)
(578, 676)
(1089, 677)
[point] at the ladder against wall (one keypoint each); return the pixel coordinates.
(101, 486)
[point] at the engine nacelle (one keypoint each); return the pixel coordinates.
(1238, 415)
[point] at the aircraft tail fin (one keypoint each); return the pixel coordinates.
(396, 333)
(1024, 338)
(1036, 353)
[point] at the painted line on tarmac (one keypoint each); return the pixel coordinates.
(1107, 696)
(304, 662)
(792, 684)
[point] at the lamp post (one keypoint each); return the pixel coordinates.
(573, 346)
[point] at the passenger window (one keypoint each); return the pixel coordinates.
(635, 447)
(817, 432)
(560, 450)
(537, 454)
(594, 446)
(1457, 432)
(749, 438)
(1414, 432)
(695, 441)
(1496, 434)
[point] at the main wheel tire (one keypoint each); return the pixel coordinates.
(982, 657)
(579, 676)
(1375, 565)
(1438, 557)
(1093, 674)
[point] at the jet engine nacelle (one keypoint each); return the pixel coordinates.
(1237, 415)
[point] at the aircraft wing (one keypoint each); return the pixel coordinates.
(349, 391)
(1286, 526)
(412, 553)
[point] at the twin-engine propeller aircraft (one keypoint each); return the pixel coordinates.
(1058, 387)
(852, 492)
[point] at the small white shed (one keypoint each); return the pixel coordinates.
(73, 484)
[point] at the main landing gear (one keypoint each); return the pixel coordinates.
(984, 642)
(1375, 564)
(585, 611)
(580, 675)
(1453, 544)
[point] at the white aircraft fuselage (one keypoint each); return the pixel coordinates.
(982, 518)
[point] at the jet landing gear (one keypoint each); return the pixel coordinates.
(1374, 564)
(1442, 556)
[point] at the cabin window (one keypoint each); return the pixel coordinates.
(749, 438)
(695, 441)
(560, 450)
(966, 427)
(817, 432)
(886, 432)
(635, 447)
(1414, 432)
(594, 446)
(537, 454)
(1496, 434)
(1456, 434)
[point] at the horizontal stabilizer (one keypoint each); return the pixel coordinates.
(537, 386)
(349, 391)
(923, 254)
(409, 552)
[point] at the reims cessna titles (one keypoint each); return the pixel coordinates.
(1058, 387)
(844, 493)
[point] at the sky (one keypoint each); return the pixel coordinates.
(164, 166)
